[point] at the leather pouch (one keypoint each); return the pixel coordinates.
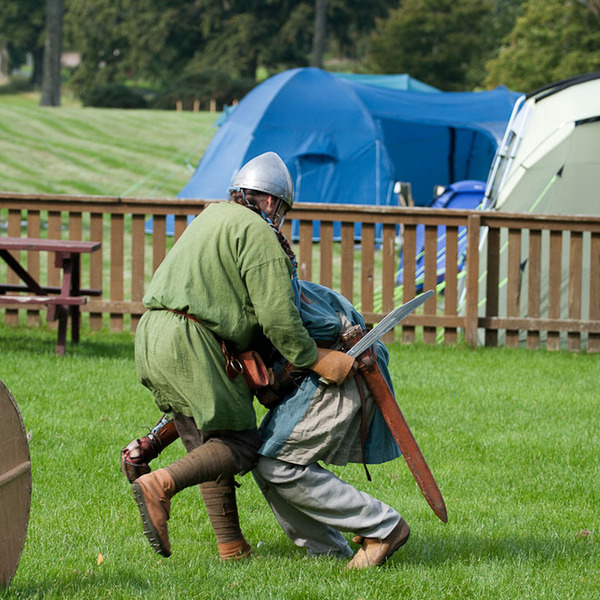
(254, 370)
(249, 364)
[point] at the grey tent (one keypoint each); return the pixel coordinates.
(549, 162)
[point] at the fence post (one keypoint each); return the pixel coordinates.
(472, 297)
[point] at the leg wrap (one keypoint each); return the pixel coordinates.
(221, 508)
(210, 462)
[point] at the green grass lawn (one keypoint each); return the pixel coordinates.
(512, 436)
(110, 152)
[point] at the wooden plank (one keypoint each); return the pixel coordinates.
(316, 211)
(575, 278)
(14, 222)
(388, 274)
(472, 299)
(33, 260)
(451, 282)
(326, 255)
(421, 320)
(117, 231)
(54, 233)
(492, 284)
(305, 253)
(29, 244)
(96, 270)
(544, 222)
(138, 246)
(542, 324)
(367, 266)
(594, 312)
(409, 251)
(534, 284)
(11, 317)
(287, 230)
(44, 300)
(180, 225)
(430, 280)
(554, 279)
(347, 267)
(75, 235)
(75, 226)
(159, 240)
(513, 284)
(121, 307)
(45, 289)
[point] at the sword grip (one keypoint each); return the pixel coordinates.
(350, 338)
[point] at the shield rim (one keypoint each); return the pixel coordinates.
(19, 471)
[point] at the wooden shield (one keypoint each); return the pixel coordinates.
(15, 485)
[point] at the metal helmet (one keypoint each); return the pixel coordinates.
(266, 173)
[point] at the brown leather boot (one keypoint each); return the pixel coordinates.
(234, 550)
(153, 493)
(376, 551)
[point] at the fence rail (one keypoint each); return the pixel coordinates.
(532, 279)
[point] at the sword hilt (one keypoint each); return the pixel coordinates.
(350, 337)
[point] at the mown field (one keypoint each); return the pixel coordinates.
(74, 150)
(512, 436)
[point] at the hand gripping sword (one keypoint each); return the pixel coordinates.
(384, 398)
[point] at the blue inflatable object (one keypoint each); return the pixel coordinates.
(460, 195)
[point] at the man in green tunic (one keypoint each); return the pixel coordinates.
(228, 278)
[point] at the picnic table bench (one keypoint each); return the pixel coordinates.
(62, 301)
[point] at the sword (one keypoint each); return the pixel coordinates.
(385, 400)
(388, 322)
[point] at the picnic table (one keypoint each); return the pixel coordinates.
(63, 301)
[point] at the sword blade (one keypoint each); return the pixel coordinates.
(387, 323)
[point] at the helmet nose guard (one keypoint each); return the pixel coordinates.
(266, 173)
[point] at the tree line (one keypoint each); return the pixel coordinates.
(169, 46)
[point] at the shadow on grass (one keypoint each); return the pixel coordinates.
(85, 584)
(439, 554)
(477, 549)
(42, 341)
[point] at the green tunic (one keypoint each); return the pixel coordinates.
(228, 271)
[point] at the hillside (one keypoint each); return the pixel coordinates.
(74, 150)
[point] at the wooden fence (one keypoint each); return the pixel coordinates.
(516, 287)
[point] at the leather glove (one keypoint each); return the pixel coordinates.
(334, 366)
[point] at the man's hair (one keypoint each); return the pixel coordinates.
(248, 199)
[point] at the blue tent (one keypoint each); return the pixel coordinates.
(349, 142)
(460, 195)
(396, 82)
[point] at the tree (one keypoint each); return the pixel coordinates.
(241, 36)
(320, 34)
(22, 25)
(162, 36)
(97, 30)
(504, 17)
(52, 53)
(159, 41)
(441, 42)
(551, 40)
